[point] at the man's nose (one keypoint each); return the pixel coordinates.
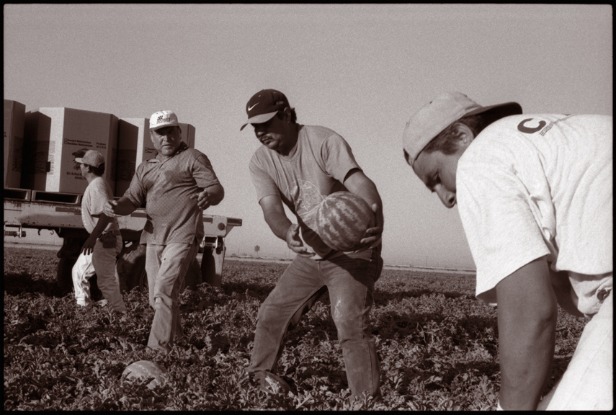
(447, 198)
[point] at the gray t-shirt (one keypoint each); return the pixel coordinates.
(316, 168)
(165, 186)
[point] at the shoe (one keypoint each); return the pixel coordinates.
(102, 303)
(82, 304)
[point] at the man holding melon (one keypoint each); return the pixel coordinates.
(300, 166)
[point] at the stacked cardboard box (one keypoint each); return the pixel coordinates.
(14, 121)
(188, 134)
(55, 136)
(133, 137)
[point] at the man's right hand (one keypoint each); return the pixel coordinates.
(294, 241)
(109, 208)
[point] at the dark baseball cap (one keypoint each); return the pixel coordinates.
(263, 105)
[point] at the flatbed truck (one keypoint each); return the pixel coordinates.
(61, 213)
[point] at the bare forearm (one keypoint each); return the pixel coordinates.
(362, 186)
(124, 207)
(279, 224)
(526, 349)
(527, 314)
(101, 225)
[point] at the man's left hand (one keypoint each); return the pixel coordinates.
(203, 199)
(373, 235)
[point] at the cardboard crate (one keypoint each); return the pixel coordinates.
(14, 122)
(188, 134)
(133, 135)
(55, 136)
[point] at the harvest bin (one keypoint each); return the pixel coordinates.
(55, 136)
(14, 121)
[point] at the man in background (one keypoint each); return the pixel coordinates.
(99, 252)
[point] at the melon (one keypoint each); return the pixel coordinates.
(342, 219)
(144, 370)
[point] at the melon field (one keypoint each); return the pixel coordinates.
(436, 343)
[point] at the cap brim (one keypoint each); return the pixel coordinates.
(164, 125)
(498, 111)
(79, 160)
(259, 119)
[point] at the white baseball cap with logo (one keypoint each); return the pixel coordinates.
(162, 119)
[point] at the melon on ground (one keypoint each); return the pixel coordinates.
(143, 370)
(342, 219)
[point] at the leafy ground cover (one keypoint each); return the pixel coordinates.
(436, 342)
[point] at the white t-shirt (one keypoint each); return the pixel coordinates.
(94, 198)
(540, 185)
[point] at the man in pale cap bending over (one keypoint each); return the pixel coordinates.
(534, 193)
(175, 187)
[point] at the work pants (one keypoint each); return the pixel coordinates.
(350, 283)
(102, 262)
(166, 267)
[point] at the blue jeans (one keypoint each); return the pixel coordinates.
(350, 283)
(166, 267)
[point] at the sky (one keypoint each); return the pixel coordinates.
(359, 69)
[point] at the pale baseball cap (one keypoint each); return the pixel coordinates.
(425, 124)
(91, 158)
(162, 119)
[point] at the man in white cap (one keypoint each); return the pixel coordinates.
(175, 187)
(99, 251)
(534, 193)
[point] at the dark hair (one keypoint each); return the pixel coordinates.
(99, 171)
(448, 140)
(280, 114)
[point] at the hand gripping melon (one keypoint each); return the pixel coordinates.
(142, 370)
(341, 220)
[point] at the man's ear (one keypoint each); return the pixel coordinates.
(286, 114)
(465, 134)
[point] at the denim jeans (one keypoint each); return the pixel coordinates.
(166, 267)
(350, 283)
(102, 262)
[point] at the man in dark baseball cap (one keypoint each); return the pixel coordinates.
(297, 166)
(264, 105)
